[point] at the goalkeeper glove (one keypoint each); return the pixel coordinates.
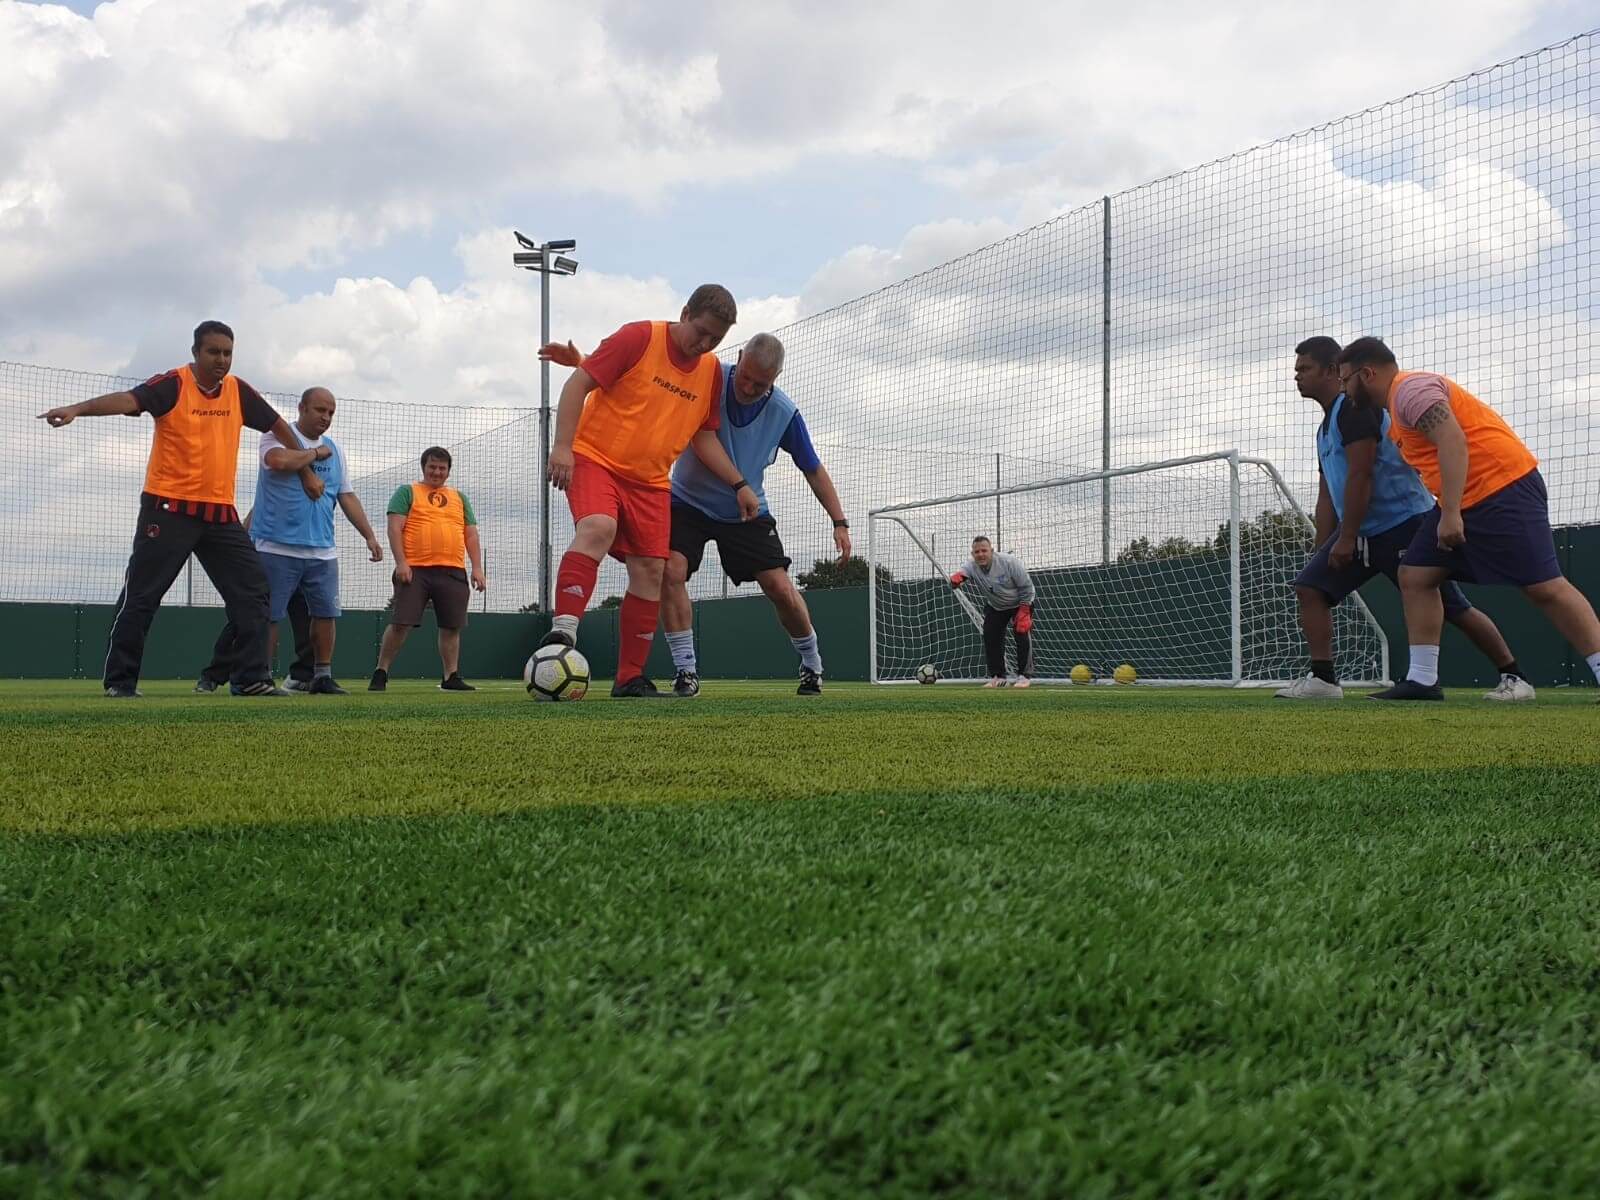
(1025, 619)
(958, 579)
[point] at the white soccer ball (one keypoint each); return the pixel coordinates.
(927, 673)
(556, 672)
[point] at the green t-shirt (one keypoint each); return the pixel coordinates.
(400, 503)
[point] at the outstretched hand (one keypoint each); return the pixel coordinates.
(562, 354)
(57, 417)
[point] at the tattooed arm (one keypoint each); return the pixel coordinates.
(1440, 427)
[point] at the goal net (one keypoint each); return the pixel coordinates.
(1183, 569)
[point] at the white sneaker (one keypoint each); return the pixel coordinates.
(1310, 688)
(1023, 681)
(1511, 688)
(995, 682)
(294, 685)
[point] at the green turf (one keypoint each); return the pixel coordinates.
(896, 942)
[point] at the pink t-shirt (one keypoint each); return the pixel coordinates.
(1416, 394)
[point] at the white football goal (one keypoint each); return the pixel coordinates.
(1183, 569)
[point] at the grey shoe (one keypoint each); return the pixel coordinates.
(1512, 689)
(322, 685)
(264, 687)
(1309, 687)
(299, 685)
(204, 686)
(123, 693)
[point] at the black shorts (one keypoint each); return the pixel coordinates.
(1380, 554)
(446, 587)
(746, 547)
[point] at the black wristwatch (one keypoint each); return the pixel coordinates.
(743, 483)
(841, 523)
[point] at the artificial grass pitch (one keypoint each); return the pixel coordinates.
(887, 941)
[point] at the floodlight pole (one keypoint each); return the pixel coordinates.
(545, 258)
(546, 593)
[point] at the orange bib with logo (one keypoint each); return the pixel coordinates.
(195, 454)
(639, 426)
(436, 527)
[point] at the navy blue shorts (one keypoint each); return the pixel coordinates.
(1377, 555)
(1508, 538)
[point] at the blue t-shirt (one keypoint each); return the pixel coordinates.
(752, 435)
(1398, 493)
(796, 439)
(283, 514)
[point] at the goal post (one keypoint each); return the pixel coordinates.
(1194, 586)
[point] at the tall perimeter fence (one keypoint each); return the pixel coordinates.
(1457, 223)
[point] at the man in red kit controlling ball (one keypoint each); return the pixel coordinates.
(651, 389)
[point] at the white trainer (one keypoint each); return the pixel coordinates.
(995, 682)
(1023, 681)
(1310, 688)
(1511, 689)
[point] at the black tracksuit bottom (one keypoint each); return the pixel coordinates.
(995, 621)
(163, 544)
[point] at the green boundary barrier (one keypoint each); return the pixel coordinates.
(737, 638)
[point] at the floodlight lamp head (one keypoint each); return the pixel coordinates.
(565, 266)
(526, 242)
(561, 244)
(528, 260)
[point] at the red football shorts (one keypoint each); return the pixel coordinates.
(643, 514)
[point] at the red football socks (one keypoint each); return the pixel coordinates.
(575, 583)
(637, 630)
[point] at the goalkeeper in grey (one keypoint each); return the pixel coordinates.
(1002, 583)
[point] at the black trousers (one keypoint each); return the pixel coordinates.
(303, 667)
(995, 621)
(163, 544)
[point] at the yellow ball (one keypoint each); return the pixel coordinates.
(1125, 673)
(1082, 674)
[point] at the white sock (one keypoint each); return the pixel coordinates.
(681, 643)
(1424, 665)
(806, 648)
(1594, 664)
(567, 625)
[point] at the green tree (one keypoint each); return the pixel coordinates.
(831, 573)
(1275, 530)
(1142, 550)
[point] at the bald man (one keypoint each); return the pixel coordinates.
(292, 527)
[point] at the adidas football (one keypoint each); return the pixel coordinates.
(927, 673)
(556, 673)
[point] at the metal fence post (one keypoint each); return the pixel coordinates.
(997, 486)
(1105, 378)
